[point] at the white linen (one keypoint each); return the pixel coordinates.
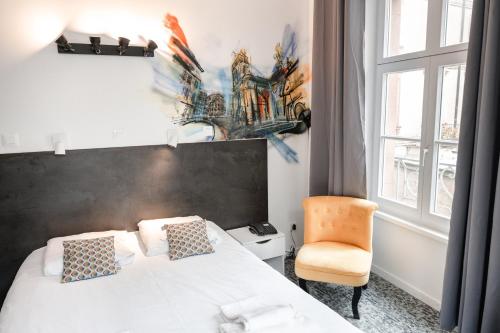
(155, 294)
(154, 236)
(233, 310)
(259, 319)
(255, 314)
(54, 252)
(300, 324)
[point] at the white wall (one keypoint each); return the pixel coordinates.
(410, 257)
(288, 186)
(107, 101)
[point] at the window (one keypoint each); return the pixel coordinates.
(407, 23)
(420, 80)
(404, 94)
(457, 22)
(450, 96)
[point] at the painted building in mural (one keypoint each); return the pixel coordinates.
(257, 100)
(191, 84)
(287, 85)
(215, 105)
(251, 93)
(251, 104)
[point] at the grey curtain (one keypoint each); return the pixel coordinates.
(471, 290)
(338, 162)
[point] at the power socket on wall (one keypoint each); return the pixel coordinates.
(10, 140)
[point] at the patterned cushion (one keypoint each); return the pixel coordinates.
(88, 258)
(187, 239)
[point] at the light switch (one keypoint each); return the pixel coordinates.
(10, 140)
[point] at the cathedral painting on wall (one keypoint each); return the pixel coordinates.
(249, 104)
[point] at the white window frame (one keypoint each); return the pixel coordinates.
(435, 23)
(436, 65)
(432, 59)
(388, 205)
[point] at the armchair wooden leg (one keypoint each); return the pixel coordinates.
(355, 300)
(303, 285)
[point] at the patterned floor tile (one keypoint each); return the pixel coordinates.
(383, 307)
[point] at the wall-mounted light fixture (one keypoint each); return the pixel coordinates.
(96, 48)
(122, 45)
(96, 44)
(62, 43)
(149, 50)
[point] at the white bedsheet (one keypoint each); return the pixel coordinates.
(154, 294)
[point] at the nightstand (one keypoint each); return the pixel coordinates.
(270, 248)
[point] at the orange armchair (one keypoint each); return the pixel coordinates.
(337, 243)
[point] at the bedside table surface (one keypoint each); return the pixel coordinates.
(244, 236)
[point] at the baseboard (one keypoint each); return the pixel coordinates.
(409, 288)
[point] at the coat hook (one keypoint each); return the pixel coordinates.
(62, 42)
(96, 44)
(149, 50)
(122, 45)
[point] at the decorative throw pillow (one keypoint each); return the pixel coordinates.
(54, 252)
(88, 258)
(188, 239)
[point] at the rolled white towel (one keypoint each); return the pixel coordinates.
(259, 319)
(231, 328)
(300, 324)
(233, 310)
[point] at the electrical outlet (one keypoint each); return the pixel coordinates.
(294, 227)
(10, 140)
(117, 133)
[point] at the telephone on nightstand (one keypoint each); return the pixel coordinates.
(262, 229)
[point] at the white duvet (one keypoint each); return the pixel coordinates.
(154, 294)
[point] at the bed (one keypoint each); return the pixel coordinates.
(155, 294)
(46, 196)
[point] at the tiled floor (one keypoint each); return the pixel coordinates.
(383, 307)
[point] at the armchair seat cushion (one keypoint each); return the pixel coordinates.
(333, 262)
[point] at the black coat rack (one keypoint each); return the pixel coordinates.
(96, 48)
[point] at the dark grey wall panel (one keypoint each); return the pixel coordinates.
(44, 196)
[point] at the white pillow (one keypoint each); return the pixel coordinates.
(213, 235)
(53, 260)
(154, 237)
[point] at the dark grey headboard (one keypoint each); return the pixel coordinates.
(44, 196)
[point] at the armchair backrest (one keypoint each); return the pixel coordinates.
(339, 219)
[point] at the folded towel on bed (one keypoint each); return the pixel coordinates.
(231, 328)
(234, 310)
(266, 317)
(299, 324)
(254, 314)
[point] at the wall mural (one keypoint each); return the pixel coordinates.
(249, 104)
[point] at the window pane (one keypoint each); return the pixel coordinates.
(445, 179)
(407, 26)
(457, 24)
(401, 161)
(452, 87)
(403, 104)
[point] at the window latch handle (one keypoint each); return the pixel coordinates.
(425, 151)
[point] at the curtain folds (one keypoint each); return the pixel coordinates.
(471, 290)
(338, 161)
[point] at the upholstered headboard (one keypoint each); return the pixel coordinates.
(44, 196)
